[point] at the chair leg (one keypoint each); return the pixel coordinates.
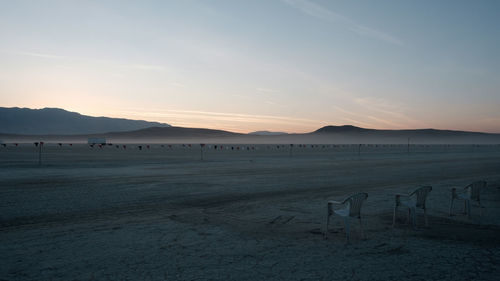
(425, 216)
(480, 210)
(409, 213)
(347, 229)
(451, 205)
(414, 216)
(361, 227)
(328, 215)
(394, 216)
(468, 208)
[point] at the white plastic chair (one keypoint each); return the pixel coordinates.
(468, 194)
(352, 208)
(412, 201)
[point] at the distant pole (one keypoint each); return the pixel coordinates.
(408, 145)
(201, 151)
(291, 148)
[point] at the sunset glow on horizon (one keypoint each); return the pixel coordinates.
(243, 66)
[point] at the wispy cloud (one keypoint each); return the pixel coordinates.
(222, 120)
(146, 67)
(31, 54)
(317, 11)
(378, 113)
(355, 122)
(234, 116)
(267, 91)
(177, 84)
(386, 122)
(136, 66)
(370, 32)
(392, 110)
(356, 118)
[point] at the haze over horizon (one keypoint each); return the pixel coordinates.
(243, 66)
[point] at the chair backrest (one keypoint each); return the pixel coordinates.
(420, 195)
(354, 203)
(474, 189)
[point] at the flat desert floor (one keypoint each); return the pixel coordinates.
(246, 213)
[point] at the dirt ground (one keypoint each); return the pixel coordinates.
(244, 212)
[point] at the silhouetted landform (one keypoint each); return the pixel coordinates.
(341, 129)
(53, 124)
(152, 134)
(173, 132)
(55, 121)
(327, 135)
(350, 133)
(267, 133)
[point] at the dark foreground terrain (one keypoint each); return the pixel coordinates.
(246, 213)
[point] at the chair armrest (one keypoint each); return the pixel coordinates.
(397, 196)
(401, 195)
(335, 202)
(330, 207)
(455, 191)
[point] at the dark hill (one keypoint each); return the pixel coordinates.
(350, 134)
(341, 129)
(172, 132)
(55, 121)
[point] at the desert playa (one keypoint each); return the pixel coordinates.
(214, 140)
(244, 212)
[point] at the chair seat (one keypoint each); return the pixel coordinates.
(463, 196)
(342, 212)
(408, 203)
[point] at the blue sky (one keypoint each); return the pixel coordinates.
(290, 65)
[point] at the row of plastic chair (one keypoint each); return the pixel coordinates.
(351, 206)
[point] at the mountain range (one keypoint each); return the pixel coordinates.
(51, 124)
(55, 121)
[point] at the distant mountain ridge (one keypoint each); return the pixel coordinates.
(267, 133)
(56, 121)
(53, 124)
(173, 132)
(341, 129)
(349, 133)
(349, 129)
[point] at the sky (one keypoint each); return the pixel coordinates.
(243, 66)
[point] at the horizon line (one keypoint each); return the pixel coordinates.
(258, 130)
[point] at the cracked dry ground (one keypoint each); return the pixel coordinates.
(241, 217)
